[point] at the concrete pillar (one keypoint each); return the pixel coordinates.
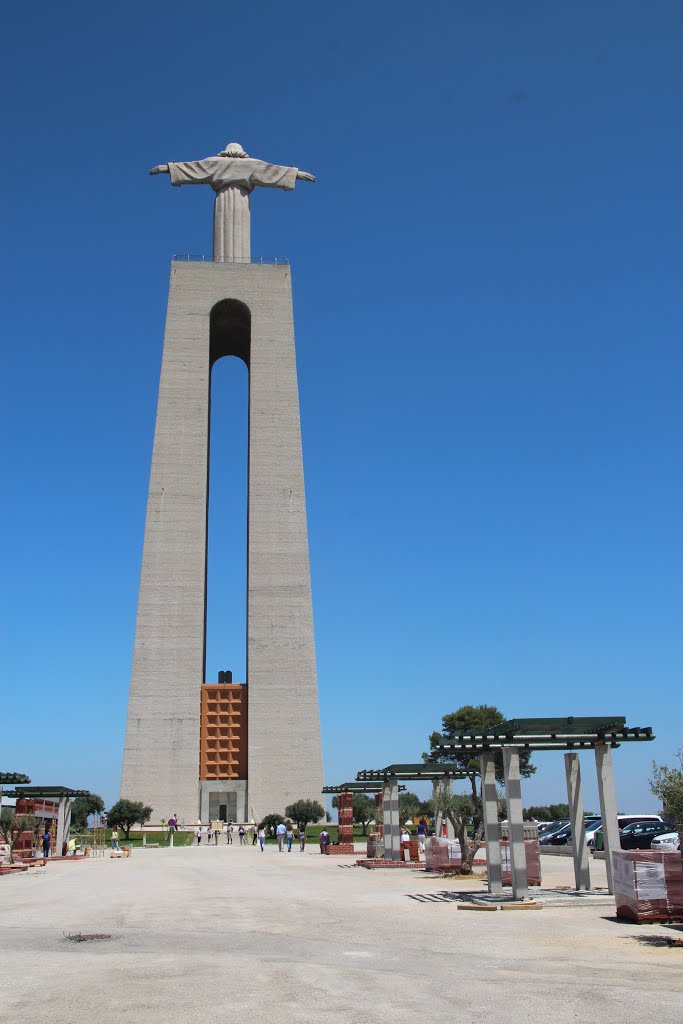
(392, 829)
(63, 825)
(582, 877)
(513, 796)
(608, 806)
(489, 800)
(446, 788)
(438, 817)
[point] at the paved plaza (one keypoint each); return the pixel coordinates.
(227, 933)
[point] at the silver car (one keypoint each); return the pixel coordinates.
(668, 842)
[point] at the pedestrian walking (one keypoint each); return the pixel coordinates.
(198, 834)
(280, 832)
(324, 840)
(290, 838)
(215, 836)
(422, 834)
(209, 835)
(302, 838)
(254, 838)
(115, 839)
(261, 837)
(229, 832)
(241, 831)
(46, 843)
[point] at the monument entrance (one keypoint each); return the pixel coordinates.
(186, 752)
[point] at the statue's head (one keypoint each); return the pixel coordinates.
(233, 149)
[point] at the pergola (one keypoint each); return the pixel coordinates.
(600, 734)
(61, 793)
(355, 787)
(13, 778)
(390, 779)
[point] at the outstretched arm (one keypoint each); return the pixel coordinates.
(160, 169)
(301, 175)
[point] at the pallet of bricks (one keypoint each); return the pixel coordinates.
(648, 885)
(443, 855)
(532, 852)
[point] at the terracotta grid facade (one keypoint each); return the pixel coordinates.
(223, 735)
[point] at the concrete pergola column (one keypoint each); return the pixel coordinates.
(582, 876)
(513, 796)
(608, 806)
(63, 824)
(489, 801)
(438, 817)
(392, 829)
(446, 788)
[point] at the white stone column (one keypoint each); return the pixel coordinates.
(392, 830)
(63, 824)
(446, 789)
(582, 877)
(608, 806)
(513, 796)
(489, 800)
(438, 817)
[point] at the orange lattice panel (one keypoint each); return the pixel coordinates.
(223, 737)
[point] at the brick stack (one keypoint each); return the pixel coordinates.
(442, 854)
(648, 885)
(344, 844)
(532, 851)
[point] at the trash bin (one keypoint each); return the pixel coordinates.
(599, 840)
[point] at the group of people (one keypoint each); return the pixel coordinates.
(229, 832)
(284, 834)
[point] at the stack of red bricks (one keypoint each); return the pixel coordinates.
(344, 844)
(532, 852)
(648, 885)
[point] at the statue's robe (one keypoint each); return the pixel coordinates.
(232, 179)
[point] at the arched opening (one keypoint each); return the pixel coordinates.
(226, 569)
(230, 331)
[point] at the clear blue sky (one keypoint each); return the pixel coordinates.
(488, 315)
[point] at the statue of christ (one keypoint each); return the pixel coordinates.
(232, 175)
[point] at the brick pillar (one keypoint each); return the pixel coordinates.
(345, 817)
(379, 827)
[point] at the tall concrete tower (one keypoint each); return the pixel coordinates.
(228, 306)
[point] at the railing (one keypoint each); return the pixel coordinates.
(192, 258)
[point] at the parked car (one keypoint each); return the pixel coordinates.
(553, 826)
(563, 836)
(667, 842)
(639, 834)
(622, 821)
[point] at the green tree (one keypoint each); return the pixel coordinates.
(460, 809)
(546, 812)
(409, 805)
(473, 718)
(303, 811)
(667, 784)
(12, 826)
(126, 813)
(271, 822)
(363, 810)
(81, 809)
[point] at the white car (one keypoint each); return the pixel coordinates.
(668, 842)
